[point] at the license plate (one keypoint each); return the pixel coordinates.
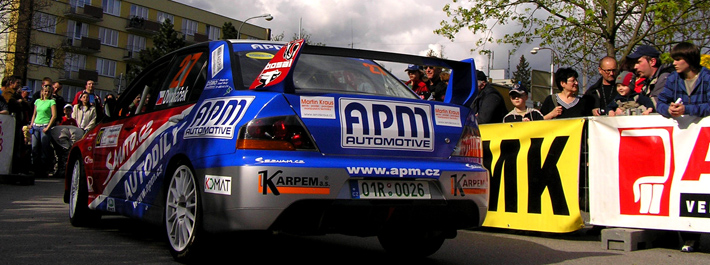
(389, 189)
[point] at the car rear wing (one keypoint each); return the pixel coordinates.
(276, 76)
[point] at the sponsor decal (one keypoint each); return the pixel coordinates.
(88, 160)
(471, 183)
(390, 125)
(393, 171)
(262, 160)
(110, 204)
(173, 95)
(218, 118)
(108, 136)
(268, 77)
(260, 55)
(218, 184)
(217, 60)
(292, 49)
(222, 83)
(266, 47)
(447, 116)
(318, 107)
(277, 69)
(120, 155)
(278, 182)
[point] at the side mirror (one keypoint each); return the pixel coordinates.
(109, 109)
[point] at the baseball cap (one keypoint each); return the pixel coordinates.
(644, 50)
(412, 67)
(518, 88)
(624, 78)
(481, 76)
(68, 106)
(26, 89)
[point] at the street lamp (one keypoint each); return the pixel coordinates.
(553, 54)
(268, 17)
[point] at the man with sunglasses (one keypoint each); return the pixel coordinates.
(604, 90)
(434, 83)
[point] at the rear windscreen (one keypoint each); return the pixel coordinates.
(331, 74)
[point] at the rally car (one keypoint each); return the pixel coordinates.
(285, 137)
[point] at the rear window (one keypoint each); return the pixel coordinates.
(251, 63)
(319, 73)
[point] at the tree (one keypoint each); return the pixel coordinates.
(18, 19)
(583, 31)
(165, 41)
(522, 72)
(229, 32)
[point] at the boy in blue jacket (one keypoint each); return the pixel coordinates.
(687, 90)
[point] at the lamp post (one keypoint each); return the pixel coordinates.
(268, 17)
(553, 54)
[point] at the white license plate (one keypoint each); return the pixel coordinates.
(389, 189)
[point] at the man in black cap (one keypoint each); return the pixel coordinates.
(518, 96)
(488, 104)
(648, 65)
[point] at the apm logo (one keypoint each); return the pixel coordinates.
(217, 118)
(386, 125)
(645, 190)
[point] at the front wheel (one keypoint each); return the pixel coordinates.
(182, 213)
(79, 212)
(411, 244)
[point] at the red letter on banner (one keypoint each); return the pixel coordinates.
(645, 170)
(697, 164)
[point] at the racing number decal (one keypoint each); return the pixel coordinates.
(185, 67)
(375, 69)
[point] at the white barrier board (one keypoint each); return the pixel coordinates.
(7, 137)
(650, 172)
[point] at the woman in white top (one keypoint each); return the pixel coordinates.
(84, 113)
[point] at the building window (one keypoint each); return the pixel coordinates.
(213, 33)
(135, 43)
(163, 16)
(106, 67)
(79, 3)
(74, 62)
(139, 11)
(108, 37)
(41, 55)
(112, 7)
(45, 22)
(189, 27)
(77, 29)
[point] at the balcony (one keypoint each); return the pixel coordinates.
(87, 14)
(79, 78)
(194, 37)
(139, 25)
(85, 45)
(131, 55)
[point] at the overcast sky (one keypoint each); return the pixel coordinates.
(401, 26)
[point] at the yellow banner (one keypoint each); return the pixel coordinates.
(534, 170)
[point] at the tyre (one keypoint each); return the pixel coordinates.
(182, 214)
(411, 244)
(79, 212)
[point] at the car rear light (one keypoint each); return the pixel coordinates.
(275, 133)
(470, 144)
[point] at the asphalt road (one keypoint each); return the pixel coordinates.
(35, 229)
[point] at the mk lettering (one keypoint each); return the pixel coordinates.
(540, 176)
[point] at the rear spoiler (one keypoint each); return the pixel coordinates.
(461, 90)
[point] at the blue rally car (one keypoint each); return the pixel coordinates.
(285, 137)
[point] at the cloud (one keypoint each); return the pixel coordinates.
(404, 26)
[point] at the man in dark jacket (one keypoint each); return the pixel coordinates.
(488, 104)
(604, 90)
(647, 64)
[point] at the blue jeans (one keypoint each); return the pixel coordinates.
(42, 154)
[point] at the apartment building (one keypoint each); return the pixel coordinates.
(73, 41)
